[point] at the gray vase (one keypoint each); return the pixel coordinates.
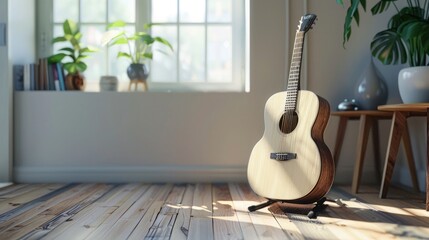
(370, 91)
(137, 71)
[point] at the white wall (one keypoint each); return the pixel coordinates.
(152, 136)
(20, 49)
(5, 105)
(194, 136)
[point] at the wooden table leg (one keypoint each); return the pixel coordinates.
(410, 157)
(339, 139)
(398, 124)
(364, 128)
(376, 146)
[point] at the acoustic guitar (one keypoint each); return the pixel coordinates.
(291, 162)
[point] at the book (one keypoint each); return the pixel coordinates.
(61, 76)
(27, 82)
(18, 77)
(56, 78)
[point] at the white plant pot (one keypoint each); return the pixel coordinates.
(413, 83)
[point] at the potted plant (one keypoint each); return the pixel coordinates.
(139, 49)
(72, 57)
(406, 40)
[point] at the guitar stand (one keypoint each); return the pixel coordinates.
(312, 214)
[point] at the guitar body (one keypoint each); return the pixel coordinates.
(307, 177)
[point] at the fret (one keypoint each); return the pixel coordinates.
(294, 72)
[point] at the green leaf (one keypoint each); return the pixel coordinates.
(88, 50)
(340, 2)
(123, 54)
(78, 36)
(81, 66)
(382, 6)
(70, 27)
(363, 4)
(57, 58)
(147, 55)
(350, 15)
(116, 24)
(147, 26)
(70, 67)
(110, 35)
(59, 39)
(389, 47)
(146, 38)
(67, 49)
(80, 58)
(120, 41)
(164, 41)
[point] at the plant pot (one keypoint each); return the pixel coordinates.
(137, 71)
(413, 83)
(75, 82)
(108, 83)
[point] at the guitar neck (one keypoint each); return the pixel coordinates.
(295, 71)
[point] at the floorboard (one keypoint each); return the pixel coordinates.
(201, 211)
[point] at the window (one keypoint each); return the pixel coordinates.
(208, 37)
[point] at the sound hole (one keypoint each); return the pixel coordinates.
(288, 122)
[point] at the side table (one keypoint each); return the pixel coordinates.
(399, 125)
(368, 120)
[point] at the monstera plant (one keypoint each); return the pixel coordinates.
(405, 41)
(406, 38)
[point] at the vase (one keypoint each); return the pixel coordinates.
(371, 90)
(75, 81)
(413, 83)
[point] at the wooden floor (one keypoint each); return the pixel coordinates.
(200, 211)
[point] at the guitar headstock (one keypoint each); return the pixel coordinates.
(306, 22)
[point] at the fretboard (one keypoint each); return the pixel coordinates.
(294, 72)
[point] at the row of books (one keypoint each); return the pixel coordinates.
(39, 76)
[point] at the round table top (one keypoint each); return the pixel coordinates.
(358, 113)
(413, 107)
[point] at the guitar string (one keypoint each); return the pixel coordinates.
(292, 92)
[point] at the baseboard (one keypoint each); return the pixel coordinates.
(168, 174)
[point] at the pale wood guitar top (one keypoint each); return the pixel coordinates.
(291, 179)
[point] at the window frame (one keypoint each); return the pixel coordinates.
(240, 55)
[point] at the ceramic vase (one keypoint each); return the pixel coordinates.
(371, 90)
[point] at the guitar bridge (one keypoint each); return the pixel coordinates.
(282, 156)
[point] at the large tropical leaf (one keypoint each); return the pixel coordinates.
(352, 13)
(381, 6)
(388, 47)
